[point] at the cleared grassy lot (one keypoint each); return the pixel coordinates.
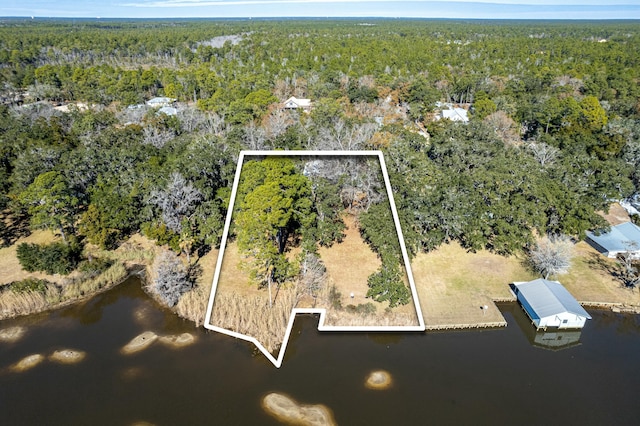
(454, 284)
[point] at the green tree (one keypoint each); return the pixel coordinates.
(386, 285)
(483, 108)
(50, 203)
(592, 116)
(274, 203)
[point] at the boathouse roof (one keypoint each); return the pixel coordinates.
(548, 298)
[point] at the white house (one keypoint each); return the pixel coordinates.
(549, 304)
(623, 238)
(452, 113)
(161, 101)
(456, 114)
(295, 103)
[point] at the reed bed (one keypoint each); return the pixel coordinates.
(14, 304)
(252, 315)
(193, 305)
(80, 287)
(127, 253)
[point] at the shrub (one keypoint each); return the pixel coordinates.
(95, 266)
(162, 235)
(29, 285)
(56, 258)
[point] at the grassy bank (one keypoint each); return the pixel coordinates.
(58, 290)
(454, 284)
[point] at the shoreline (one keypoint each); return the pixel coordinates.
(134, 269)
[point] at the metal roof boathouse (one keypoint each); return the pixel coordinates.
(549, 304)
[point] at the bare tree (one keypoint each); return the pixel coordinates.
(157, 137)
(504, 126)
(313, 275)
(277, 122)
(133, 115)
(176, 202)
(552, 255)
(628, 272)
(36, 110)
(254, 137)
(543, 153)
(191, 119)
(172, 278)
(215, 124)
(342, 136)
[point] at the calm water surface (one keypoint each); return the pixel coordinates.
(478, 377)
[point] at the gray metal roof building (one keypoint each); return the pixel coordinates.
(620, 239)
(549, 304)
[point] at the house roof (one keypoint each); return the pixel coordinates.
(160, 100)
(622, 237)
(455, 114)
(548, 298)
(301, 103)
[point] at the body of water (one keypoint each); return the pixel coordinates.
(504, 376)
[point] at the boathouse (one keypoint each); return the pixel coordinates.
(549, 304)
(623, 238)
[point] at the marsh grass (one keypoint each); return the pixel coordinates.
(127, 253)
(193, 305)
(82, 286)
(252, 316)
(14, 303)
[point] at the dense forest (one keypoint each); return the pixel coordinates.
(553, 134)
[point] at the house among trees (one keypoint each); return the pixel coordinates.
(452, 113)
(621, 239)
(295, 103)
(161, 101)
(549, 304)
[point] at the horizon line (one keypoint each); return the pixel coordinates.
(304, 17)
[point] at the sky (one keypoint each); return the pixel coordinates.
(480, 9)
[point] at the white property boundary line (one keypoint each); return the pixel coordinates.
(321, 326)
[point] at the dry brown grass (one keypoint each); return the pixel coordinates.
(589, 280)
(136, 250)
(239, 305)
(351, 319)
(10, 269)
(349, 264)
(616, 215)
(453, 284)
(82, 286)
(252, 316)
(14, 304)
(193, 304)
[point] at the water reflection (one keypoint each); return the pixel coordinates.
(552, 340)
